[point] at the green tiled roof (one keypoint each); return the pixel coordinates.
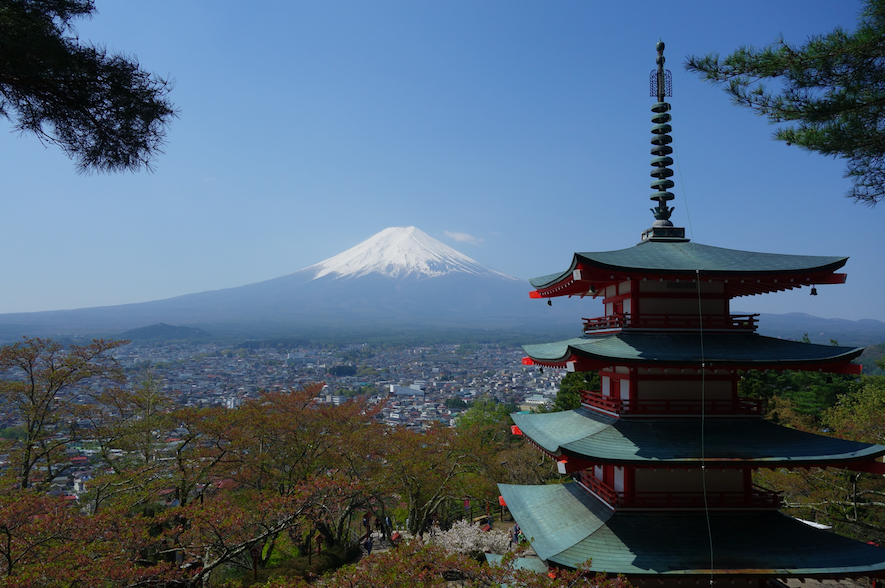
(569, 527)
(661, 441)
(714, 349)
(520, 563)
(554, 517)
(682, 257)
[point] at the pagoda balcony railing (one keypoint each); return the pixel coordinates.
(664, 407)
(671, 321)
(755, 498)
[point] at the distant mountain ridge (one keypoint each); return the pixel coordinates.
(400, 280)
(794, 325)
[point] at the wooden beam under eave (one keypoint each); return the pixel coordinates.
(872, 467)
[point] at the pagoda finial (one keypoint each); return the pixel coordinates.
(662, 82)
(661, 85)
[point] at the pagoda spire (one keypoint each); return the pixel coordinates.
(661, 84)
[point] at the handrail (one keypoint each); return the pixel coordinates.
(670, 407)
(755, 498)
(627, 320)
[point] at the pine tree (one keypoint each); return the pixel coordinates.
(831, 94)
(101, 109)
(570, 388)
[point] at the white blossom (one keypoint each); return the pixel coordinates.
(465, 537)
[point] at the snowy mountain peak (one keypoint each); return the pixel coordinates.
(398, 252)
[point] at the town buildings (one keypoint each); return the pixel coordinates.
(433, 385)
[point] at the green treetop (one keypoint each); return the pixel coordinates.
(830, 93)
(570, 388)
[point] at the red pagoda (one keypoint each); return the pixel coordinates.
(662, 455)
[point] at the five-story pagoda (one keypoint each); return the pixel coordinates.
(662, 455)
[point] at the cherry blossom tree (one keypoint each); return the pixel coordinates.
(417, 564)
(469, 538)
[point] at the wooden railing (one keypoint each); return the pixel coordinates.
(756, 498)
(602, 323)
(607, 404)
(724, 407)
(671, 321)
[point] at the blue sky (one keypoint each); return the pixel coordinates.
(515, 131)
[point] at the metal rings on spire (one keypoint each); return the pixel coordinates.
(661, 86)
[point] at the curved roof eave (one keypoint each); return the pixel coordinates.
(716, 349)
(569, 527)
(593, 437)
(686, 258)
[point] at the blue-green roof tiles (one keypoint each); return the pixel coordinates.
(570, 527)
(727, 441)
(667, 257)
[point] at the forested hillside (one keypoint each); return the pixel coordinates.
(278, 488)
(871, 360)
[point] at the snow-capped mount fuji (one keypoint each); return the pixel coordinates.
(401, 252)
(398, 281)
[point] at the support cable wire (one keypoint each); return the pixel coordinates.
(702, 370)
